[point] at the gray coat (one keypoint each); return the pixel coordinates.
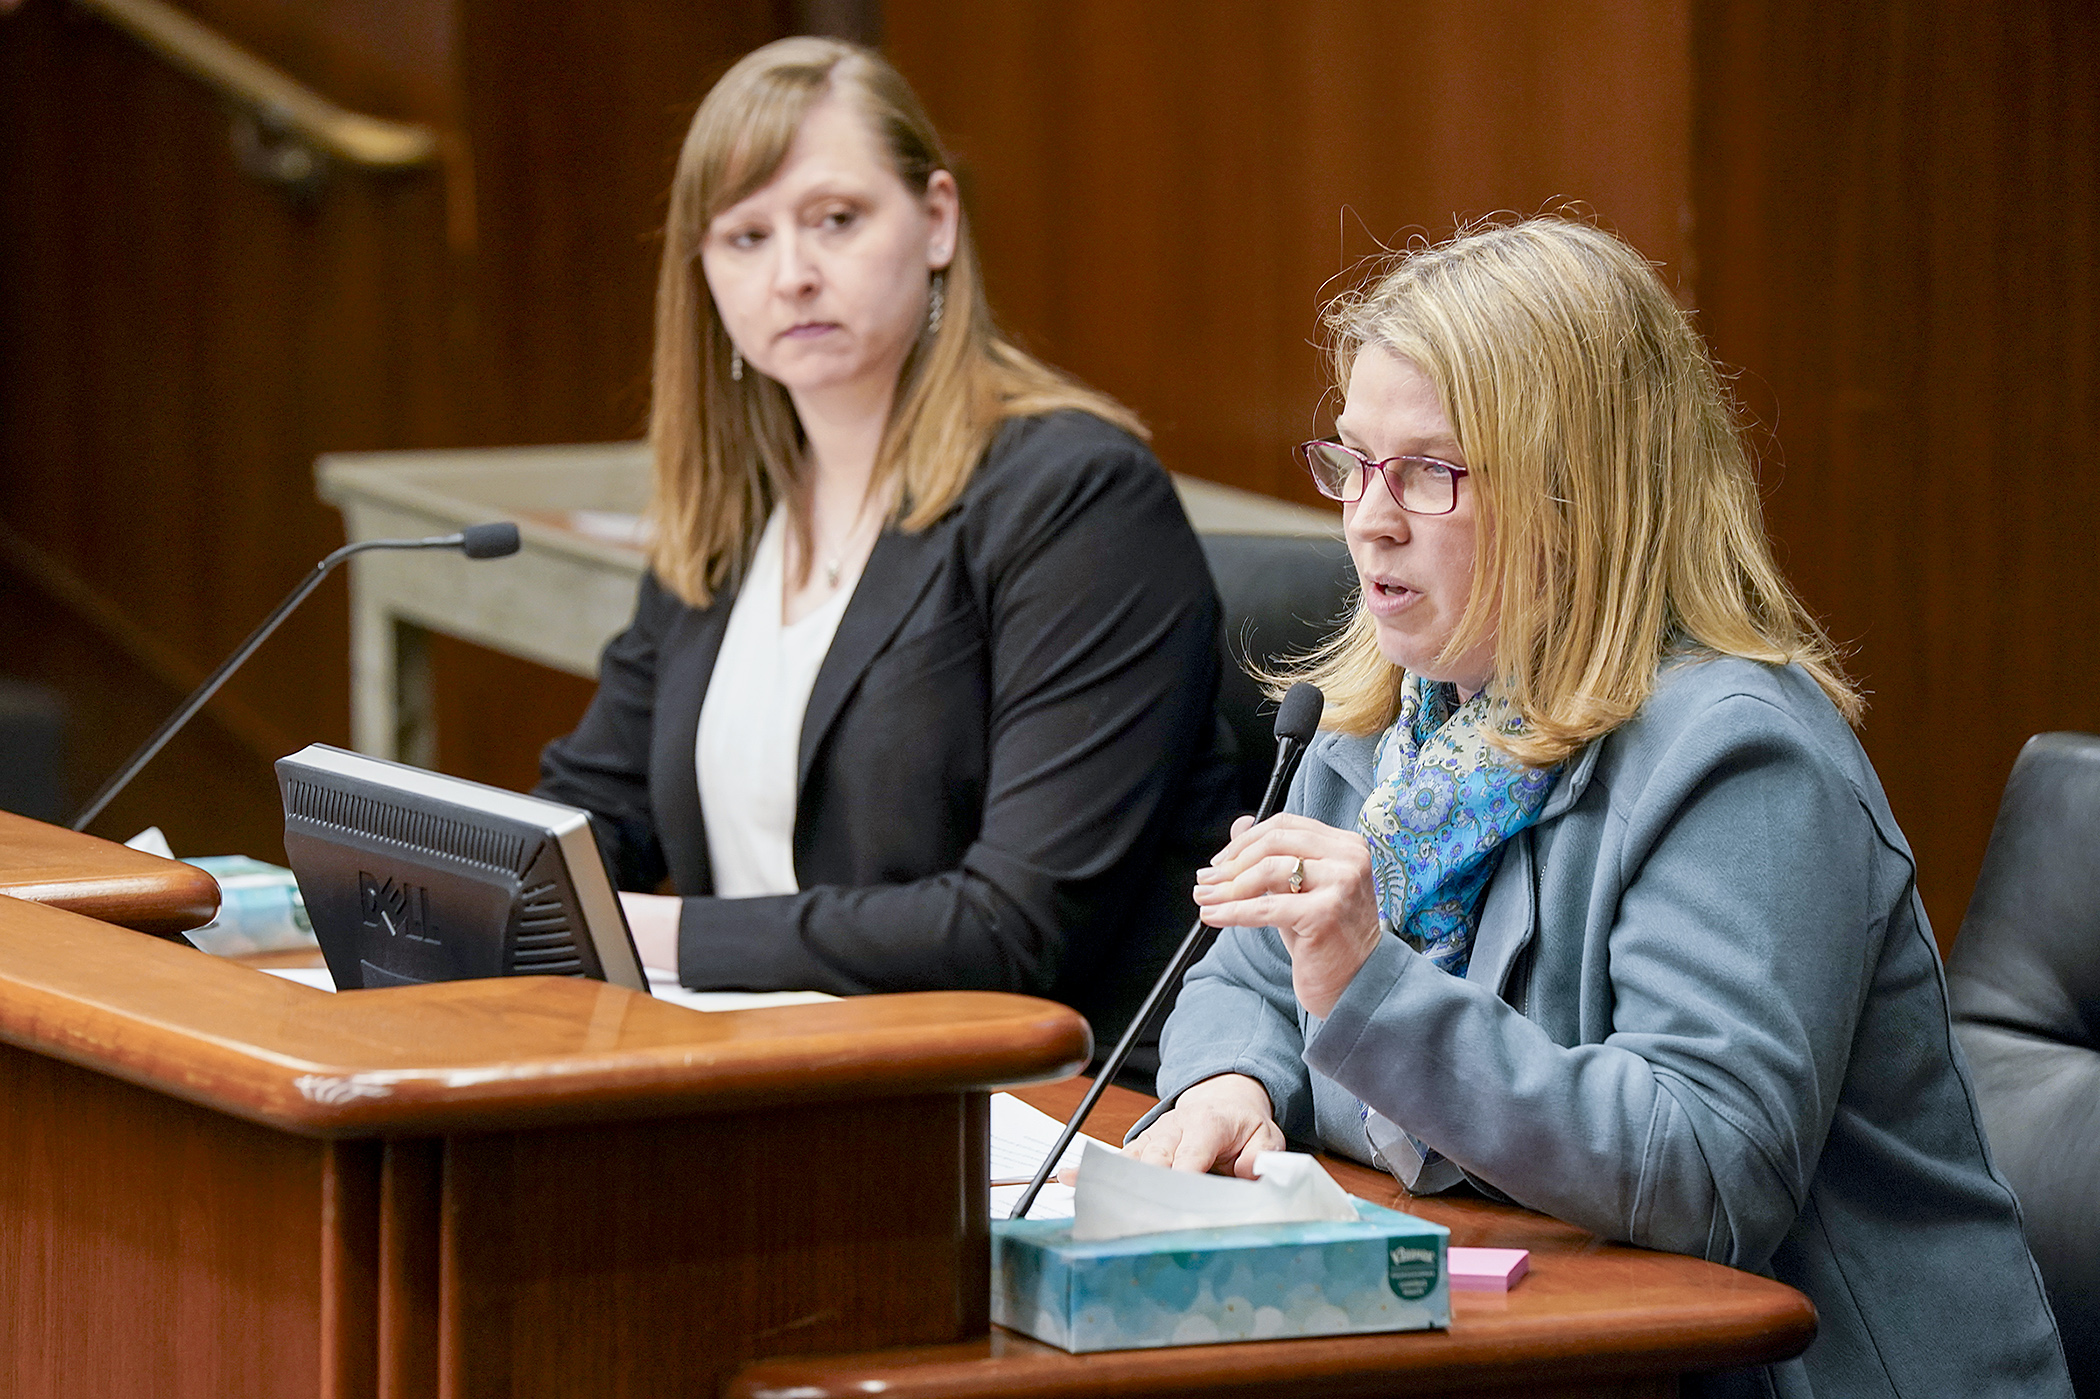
(1704, 1014)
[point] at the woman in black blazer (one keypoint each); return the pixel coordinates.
(1006, 766)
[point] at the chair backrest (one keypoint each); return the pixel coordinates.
(2024, 978)
(1283, 594)
(32, 741)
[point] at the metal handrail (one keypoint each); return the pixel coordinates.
(277, 99)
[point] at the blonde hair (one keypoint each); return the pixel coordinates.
(1617, 510)
(726, 450)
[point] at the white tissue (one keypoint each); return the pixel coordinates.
(1119, 1196)
(152, 842)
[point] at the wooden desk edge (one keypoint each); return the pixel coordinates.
(484, 1055)
(101, 879)
(1005, 1365)
(1761, 1324)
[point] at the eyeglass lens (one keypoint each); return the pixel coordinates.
(1420, 484)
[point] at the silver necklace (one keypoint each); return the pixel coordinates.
(835, 566)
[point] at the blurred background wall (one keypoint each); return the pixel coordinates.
(1883, 213)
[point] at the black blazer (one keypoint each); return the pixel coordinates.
(1010, 763)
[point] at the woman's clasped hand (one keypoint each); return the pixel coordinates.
(1312, 883)
(1308, 881)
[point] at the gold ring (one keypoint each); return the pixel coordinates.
(1298, 877)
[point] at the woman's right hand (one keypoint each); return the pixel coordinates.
(1220, 1124)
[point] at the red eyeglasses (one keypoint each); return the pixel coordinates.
(1419, 485)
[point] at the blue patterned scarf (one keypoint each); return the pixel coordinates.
(1443, 803)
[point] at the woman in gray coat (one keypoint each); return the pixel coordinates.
(1588, 897)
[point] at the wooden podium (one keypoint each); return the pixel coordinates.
(215, 1182)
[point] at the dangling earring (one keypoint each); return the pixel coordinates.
(936, 303)
(736, 364)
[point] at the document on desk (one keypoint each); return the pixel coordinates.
(662, 985)
(1021, 1138)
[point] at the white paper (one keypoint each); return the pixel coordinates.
(1119, 1196)
(735, 1000)
(316, 977)
(663, 985)
(1023, 1136)
(1053, 1202)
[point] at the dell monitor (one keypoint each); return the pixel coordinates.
(411, 876)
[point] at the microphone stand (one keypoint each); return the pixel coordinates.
(479, 542)
(1294, 729)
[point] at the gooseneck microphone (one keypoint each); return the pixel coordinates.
(1296, 719)
(490, 541)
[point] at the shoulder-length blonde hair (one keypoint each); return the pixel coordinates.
(727, 449)
(1618, 512)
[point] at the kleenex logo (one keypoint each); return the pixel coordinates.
(1411, 1272)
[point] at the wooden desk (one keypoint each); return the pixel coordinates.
(216, 1182)
(102, 879)
(1590, 1319)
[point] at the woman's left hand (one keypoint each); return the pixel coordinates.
(1309, 881)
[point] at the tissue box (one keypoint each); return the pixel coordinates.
(260, 909)
(1384, 1272)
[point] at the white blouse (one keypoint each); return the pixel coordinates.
(751, 723)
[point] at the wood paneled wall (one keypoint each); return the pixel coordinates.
(1163, 191)
(1899, 214)
(179, 342)
(1883, 212)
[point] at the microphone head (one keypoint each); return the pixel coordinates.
(491, 541)
(1299, 714)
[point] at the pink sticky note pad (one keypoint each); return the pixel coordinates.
(1486, 1269)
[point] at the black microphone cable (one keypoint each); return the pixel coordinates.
(1296, 719)
(489, 541)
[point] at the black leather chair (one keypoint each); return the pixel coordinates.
(1283, 594)
(2024, 977)
(32, 741)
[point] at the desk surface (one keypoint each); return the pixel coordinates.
(1589, 1317)
(102, 879)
